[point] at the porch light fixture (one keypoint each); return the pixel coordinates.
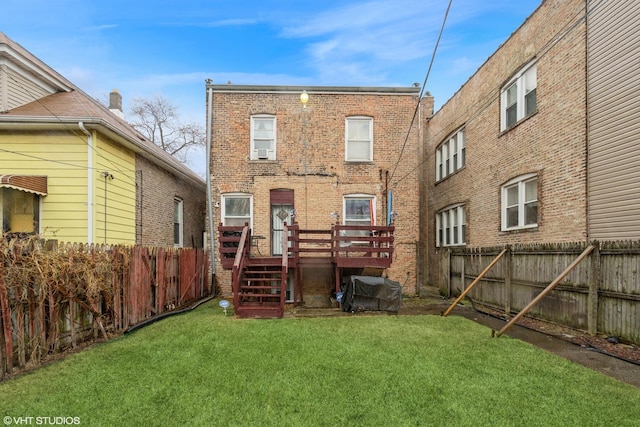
(304, 98)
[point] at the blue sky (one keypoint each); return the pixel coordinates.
(144, 48)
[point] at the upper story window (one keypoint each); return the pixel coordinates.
(359, 139)
(236, 209)
(263, 137)
(450, 155)
(178, 222)
(451, 226)
(520, 203)
(518, 97)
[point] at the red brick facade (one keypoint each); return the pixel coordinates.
(549, 144)
(310, 160)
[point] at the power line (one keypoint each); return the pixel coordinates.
(424, 85)
(490, 97)
(35, 98)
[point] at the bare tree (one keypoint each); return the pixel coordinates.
(158, 120)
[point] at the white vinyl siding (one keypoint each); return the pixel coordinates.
(614, 120)
(450, 155)
(359, 139)
(518, 97)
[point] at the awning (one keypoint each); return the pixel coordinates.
(29, 183)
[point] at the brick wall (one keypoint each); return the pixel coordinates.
(551, 143)
(156, 190)
(311, 160)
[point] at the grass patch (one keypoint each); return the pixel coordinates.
(203, 368)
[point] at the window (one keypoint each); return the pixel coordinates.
(451, 226)
(520, 203)
(451, 155)
(518, 98)
(359, 139)
(263, 137)
(20, 211)
(236, 209)
(359, 209)
(178, 216)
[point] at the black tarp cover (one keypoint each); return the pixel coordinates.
(369, 293)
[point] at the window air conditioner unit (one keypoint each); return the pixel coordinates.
(262, 153)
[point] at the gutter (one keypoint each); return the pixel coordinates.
(208, 179)
(89, 182)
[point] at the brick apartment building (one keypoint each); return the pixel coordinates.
(331, 160)
(541, 143)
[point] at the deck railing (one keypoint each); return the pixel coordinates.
(346, 245)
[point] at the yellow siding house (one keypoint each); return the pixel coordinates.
(70, 168)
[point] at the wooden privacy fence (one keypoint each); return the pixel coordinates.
(600, 295)
(55, 296)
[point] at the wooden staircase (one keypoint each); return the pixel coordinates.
(261, 289)
(259, 284)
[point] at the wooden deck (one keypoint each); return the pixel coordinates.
(259, 282)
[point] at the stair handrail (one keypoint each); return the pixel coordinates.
(239, 263)
(285, 266)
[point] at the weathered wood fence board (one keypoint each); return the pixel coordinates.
(600, 296)
(53, 297)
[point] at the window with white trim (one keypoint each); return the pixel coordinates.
(178, 222)
(359, 139)
(359, 209)
(450, 155)
(263, 137)
(520, 203)
(451, 226)
(518, 97)
(236, 209)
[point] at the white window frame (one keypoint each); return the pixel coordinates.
(178, 221)
(223, 214)
(524, 82)
(519, 183)
(348, 121)
(263, 154)
(372, 214)
(453, 151)
(447, 220)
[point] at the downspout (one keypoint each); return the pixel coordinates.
(208, 180)
(89, 182)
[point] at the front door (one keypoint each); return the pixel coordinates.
(281, 210)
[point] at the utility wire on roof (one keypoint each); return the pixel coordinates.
(490, 97)
(424, 85)
(115, 167)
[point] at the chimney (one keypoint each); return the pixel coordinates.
(115, 103)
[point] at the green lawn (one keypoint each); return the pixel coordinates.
(202, 368)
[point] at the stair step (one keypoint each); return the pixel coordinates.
(259, 287)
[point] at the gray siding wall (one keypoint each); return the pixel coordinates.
(17, 90)
(614, 119)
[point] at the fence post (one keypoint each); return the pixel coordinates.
(507, 280)
(445, 272)
(594, 286)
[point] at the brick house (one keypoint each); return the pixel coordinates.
(72, 170)
(541, 143)
(332, 160)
